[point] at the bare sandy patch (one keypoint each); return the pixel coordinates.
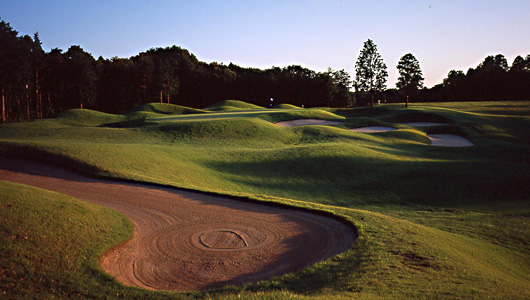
(303, 122)
(449, 140)
(374, 129)
(189, 241)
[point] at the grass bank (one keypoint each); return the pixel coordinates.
(433, 221)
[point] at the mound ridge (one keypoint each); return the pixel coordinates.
(287, 106)
(168, 109)
(232, 105)
(244, 129)
(433, 222)
(88, 117)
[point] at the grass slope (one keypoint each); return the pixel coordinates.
(228, 105)
(163, 108)
(287, 106)
(433, 221)
(51, 243)
(87, 117)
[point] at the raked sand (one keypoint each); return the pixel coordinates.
(190, 241)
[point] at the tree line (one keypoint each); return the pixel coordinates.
(491, 80)
(38, 84)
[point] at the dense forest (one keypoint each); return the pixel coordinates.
(38, 84)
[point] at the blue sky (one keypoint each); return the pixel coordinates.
(442, 34)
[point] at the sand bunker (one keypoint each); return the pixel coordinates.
(373, 129)
(188, 241)
(422, 124)
(449, 140)
(303, 122)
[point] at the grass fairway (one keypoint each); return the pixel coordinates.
(433, 222)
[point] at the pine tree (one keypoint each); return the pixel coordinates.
(370, 70)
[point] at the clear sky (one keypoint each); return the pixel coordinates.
(442, 34)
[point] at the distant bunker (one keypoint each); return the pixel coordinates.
(449, 140)
(442, 140)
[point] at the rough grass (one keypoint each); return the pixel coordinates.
(51, 243)
(433, 221)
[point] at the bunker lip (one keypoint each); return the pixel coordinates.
(247, 241)
(449, 140)
(373, 129)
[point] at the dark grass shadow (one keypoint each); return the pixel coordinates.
(415, 116)
(306, 279)
(10, 156)
(336, 273)
(437, 182)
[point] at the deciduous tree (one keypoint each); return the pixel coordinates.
(410, 75)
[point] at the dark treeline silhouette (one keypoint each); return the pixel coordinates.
(38, 84)
(491, 80)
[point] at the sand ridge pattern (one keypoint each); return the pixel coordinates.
(188, 241)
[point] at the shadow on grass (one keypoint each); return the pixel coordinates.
(334, 180)
(335, 273)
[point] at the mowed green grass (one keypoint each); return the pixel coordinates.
(433, 221)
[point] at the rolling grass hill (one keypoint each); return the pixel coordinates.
(169, 109)
(287, 106)
(433, 222)
(228, 105)
(87, 117)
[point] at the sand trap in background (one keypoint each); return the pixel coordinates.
(374, 129)
(449, 140)
(303, 122)
(421, 124)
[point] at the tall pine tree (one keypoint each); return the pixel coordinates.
(370, 70)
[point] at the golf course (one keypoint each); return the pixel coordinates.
(239, 201)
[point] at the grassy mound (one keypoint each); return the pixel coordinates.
(244, 129)
(311, 113)
(87, 117)
(287, 106)
(433, 221)
(168, 109)
(228, 105)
